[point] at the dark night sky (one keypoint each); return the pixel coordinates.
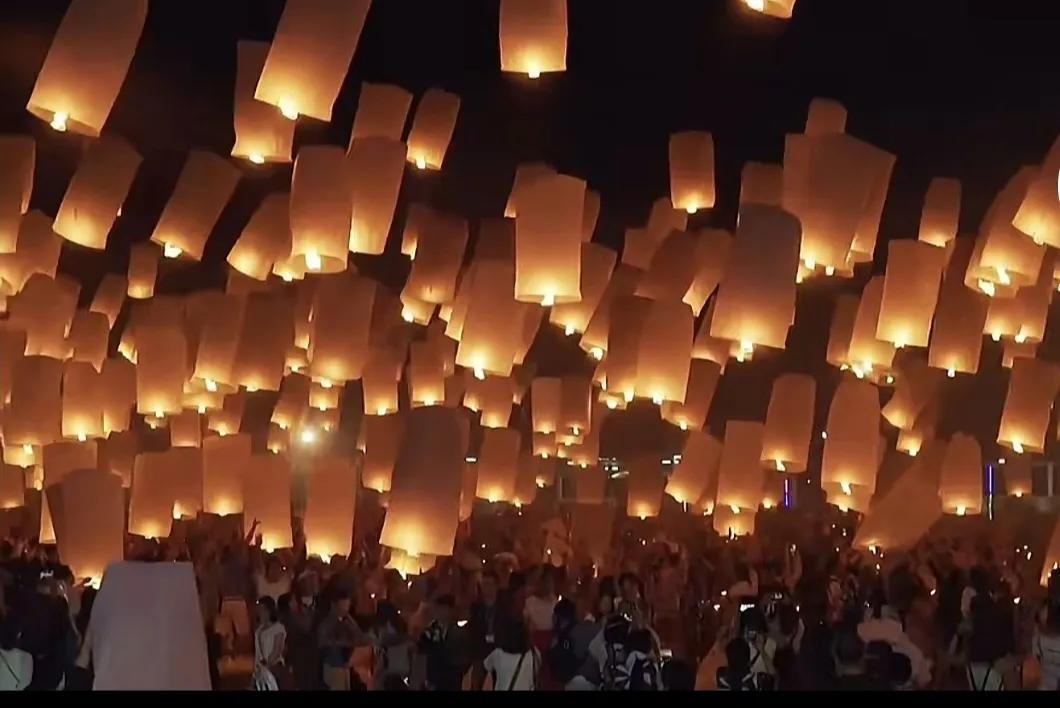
(962, 88)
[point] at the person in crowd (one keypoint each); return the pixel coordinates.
(515, 663)
(269, 644)
(736, 674)
(301, 614)
(16, 665)
(537, 609)
(850, 674)
(1046, 645)
(394, 648)
(337, 637)
(273, 581)
(482, 625)
(444, 647)
(986, 646)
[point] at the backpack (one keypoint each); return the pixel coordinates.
(643, 674)
(560, 658)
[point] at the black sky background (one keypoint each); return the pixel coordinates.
(960, 88)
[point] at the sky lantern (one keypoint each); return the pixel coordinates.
(468, 482)
(161, 369)
(492, 329)
(44, 310)
(703, 376)
(185, 429)
(624, 279)
(544, 444)
(957, 336)
(526, 173)
(12, 487)
(310, 56)
(440, 248)
(81, 401)
(416, 220)
(851, 449)
(789, 423)
(910, 441)
(89, 333)
(498, 464)
(900, 517)
(227, 419)
(1008, 256)
(530, 316)
(203, 189)
(88, 513)
(153, 500)
(917, 385)
(330, 503)
(37, 252)
(428, 476)
(377, 165)
(761, 183)
(868, 355)
(575, 406)
(32, 416)
(12, 349)
(839, 332)
(597, 264)
(756, 300)
(1018, 476)
(293, 398)
(548, 240)
(143, 270)
(910, 292)
(645, 487)
(741, 477)
(712, 257)
(590, 485)
(380, 379)
(222, 322)
(1038, 215)
(725, 521)
(961, 479)
(526, 479)
(533, 36)
(825, 116)
(119, 387)
(716, 349)
(321, 209)
(338, 347)
(432, 128)
(225, 464)
(86, 64)
(94, 197)
(267, 332)
(942, 211)
(1012, 350)
(692, 170)
(267, 498)
(672, 268)
(382, 110)
(640, 243)
(1032, 387)
(492, 397)
(665, 352)
(425, 375)
(263, 134)
(18, 157)
(700, 458)
(265, 240)
(382, 440)
(59, 459)
(110, 296)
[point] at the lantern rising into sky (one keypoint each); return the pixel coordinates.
(533, 36)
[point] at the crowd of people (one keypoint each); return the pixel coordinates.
(751, 614)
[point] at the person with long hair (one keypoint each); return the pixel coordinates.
(514, 664)
(270, 637)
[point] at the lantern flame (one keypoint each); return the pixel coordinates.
(421, 162)
(612, 403)
(171, 251)
(987, 287)
(58, 122)
(845, 486)
(176, 510)
(289, 109)
(1017, 447)
(780, 466)
(810, 263)
(308, 436)
(683, 425)
(548, 300)
(1021, 336)
(735, 509)
(691, 209)
(960, 510)
(628, 395)
(325, 383)
(312, 260)
(889, 379)
(257, 158)
(657, 399)
(597, 353)
(211, 385)
(1003, 276)
(951, 372)
(913, 451)
(829, 270)
(202, 408)
(757, 5)
(406, 314)
(568, 330)
(381, 410)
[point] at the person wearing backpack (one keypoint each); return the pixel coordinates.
(561, 661)
(642, 666)
(514, 664)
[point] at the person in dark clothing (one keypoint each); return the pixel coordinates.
(850, 664)
(678, 675)
(482, 626)
(736, 674)
(444, 647)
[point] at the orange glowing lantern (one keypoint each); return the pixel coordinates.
(623, 281)
(185, 429)
(1032, 388)
(32, 416)
(310, 55)
(692, 171)
(910, 292)
(1008, 257)
(89, 333)
(222, 321)
(12, 487)
(923, 430)
(756, 300)
(94, 197)
(1052, 559)
(143, 270)
(321, 209)
(651, 349)
(703, 379)
(526, 173)
(942, 210)
(868, 355)
(533, 36)
(382, 110)
(265, 240)
(267, 332)
(901, 517)
(672, 268)
(44, 310)
(789, 423)
(88, 512)
(498, 463)
(205, 185)
(376, 167)
(263, 134)
(645, 487)
(86, 65)
(109, 297)
(841, 329)
(526, 480)
(225, 462)
(161, 369)
(597, 264)
(697, 470)
(432, 128)
(37, 252)
(59, 459)
(711, 259)
(81, 401)
(741, 478)
(119, 387)
(918, 384)
(1038, 215)
(957, 337)
(851, 449)
(825, 116)
(338, 347)
(426, 374)
(961, 479)
(293, 399)
(548, 240)
(761, 183)
(380, 380)
(382, 440)
(18, 156)
(227, 419)
(267, 498)
(331, 500)
(440, 249)
(1019, 478)
(153, 500)
(491, 333)
(708, 348)
(544, 444)
(732, 523)
(492, 397)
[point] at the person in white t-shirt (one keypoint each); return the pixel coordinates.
(274, 581)
(16, 666)
(514, 664)
(538, 607)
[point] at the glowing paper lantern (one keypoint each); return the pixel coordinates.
(228, 418)
(89, 333)
(321, 209)
(672, 269)
(923, 430)
(376, 167)
(942, 210)
(548, 240)
(225, 463)
(825, 117)
(267, 498)
(382, 440)
(851, 449)
(109, 297)
(544, 445)
(740, 474)
(82, 399)
(143, 270)
(12, 491)
(712, 257)
(498, 463)
(263, 134)
(426, 374)
(119, 387)
(867, 354)
(761, 183)
(957, 336)
(161, 369)
(917, 385)
(961, 480)
(59, 459)
(756, 300)
(1032, 387)
(597, 264)
(32, 416)
(715, 349)
(330, 503)
(789, 423)
(44, 310)
(37, 251)
(526, 480)
(702, 382)
(1019, 477)
(526, 173)
(18, 157)
(1052, 557)
(533, 36)
(910, 292)
(492, 329)
(1038, 215)
(293, 398)
(623, 281)
(86, 65)
(590, 485)
(152, 501)
(265, 240)
(341, 319)
(221, 323)
(432, 128)
(185, 429)
(900, 517)
(380, 381)
(425, 490)
(1008, 257)
(440, 249)
(205, 185)
(88, 511)
(841, 329)
(645, 487)
(691, 477)
(692, 171)
(94, 197)
(468, 482)
(268, 330)
(382, 110)
(732, 523)
(310, 55)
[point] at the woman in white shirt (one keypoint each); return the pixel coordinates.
(16, 666)
(514, 663)
(537, 610)
(270, 638)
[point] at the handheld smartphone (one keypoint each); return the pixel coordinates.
(666, 653)
(746, 606)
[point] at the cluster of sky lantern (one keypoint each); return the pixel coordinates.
(452, 408)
